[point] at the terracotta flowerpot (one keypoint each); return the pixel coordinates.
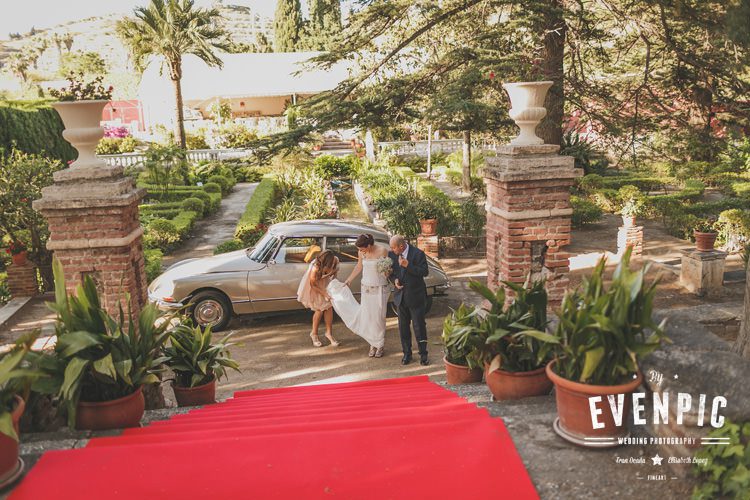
(9, 447)
(20, 258)
(195, 396)
(574, 411)
(429, 227)
(628, 221)
(82, 129)
(316, 147)
(705, 241)
(458, 374)
(527, 109)
(517, 385)
(116, 414)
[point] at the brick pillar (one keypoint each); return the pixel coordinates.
(22, 280)
(430, 245)
(528, 216)
(630, 236)
(94, 230)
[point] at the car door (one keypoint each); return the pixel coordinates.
(275, 288)
(345, 249)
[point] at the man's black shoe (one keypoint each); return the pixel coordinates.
(406, 359)
(424, 360)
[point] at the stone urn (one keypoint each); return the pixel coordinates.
(527, 109)
(82, 129)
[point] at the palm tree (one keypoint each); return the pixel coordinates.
(172, 28)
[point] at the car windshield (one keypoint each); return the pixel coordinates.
(264, 249)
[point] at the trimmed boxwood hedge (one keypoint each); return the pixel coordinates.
(33, 127)
(256, 209)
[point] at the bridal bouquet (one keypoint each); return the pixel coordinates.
(384, 265)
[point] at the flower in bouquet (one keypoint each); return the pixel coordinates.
(384, 265)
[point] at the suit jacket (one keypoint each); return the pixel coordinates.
(412, 277)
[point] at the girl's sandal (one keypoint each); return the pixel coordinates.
(316, 340)
(334, 342)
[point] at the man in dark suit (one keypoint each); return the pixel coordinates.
(410, 296)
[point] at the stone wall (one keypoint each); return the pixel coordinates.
(697, 362)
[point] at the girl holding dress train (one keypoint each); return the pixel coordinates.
(312, 294)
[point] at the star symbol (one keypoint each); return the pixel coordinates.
(657, 459)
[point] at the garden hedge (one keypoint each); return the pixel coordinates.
(256, 209)
(33, 127)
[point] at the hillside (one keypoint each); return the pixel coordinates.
(96, 34)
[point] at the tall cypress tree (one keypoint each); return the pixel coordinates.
(287, 26)
(324, 24)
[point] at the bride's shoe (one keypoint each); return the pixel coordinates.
(316, 340)
(379, 352)
(334, 342)
(372, 352)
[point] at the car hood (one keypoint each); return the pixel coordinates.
(222, 263)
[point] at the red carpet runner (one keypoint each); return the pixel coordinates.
(386, 439)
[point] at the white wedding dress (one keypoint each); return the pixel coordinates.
(368, 318)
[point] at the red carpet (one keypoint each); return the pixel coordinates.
(389, 439)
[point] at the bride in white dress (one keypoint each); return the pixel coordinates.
(368, 318)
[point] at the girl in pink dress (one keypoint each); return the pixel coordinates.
(312, 294)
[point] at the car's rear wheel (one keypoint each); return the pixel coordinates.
(211, 308)
(394, 307)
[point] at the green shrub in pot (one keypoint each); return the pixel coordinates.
(512, 337)
(458, 328)
(16, 376)
(603, 331)
(97, 357)
(194, 359)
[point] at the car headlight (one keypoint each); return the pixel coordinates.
(164, 290)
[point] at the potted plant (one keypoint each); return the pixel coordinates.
(80, 106)
(458, 347)
(15, 378)
(427, 212)
(632, 204)
(197, 364)
(705, 233)
(18, 252)
(601, 335)
(100, 363)
(510, 341)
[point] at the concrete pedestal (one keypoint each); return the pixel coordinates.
(95, 230)
(702, 273)
(528, 216)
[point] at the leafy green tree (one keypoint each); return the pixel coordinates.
(171, 29)
(262, 44)
(287, 26)
(82, 63)
(324, 24)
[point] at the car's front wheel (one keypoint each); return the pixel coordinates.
(211, 308)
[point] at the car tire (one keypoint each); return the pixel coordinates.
(394, 308)
(211, 308)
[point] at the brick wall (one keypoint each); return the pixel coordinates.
(22, 280)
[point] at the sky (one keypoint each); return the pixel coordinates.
(21, 15)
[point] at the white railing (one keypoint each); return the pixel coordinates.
(419, 148)
(193, 155)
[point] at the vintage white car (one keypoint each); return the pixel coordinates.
(264, 279)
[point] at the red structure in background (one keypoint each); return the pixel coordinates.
(124, 112)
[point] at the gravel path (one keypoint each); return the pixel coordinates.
(216, 228)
